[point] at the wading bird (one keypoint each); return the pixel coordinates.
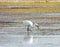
(29, 24)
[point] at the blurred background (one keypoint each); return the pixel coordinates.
(44, 12)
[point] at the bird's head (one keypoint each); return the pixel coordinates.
(37, 25)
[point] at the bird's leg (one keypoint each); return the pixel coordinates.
(28, 30)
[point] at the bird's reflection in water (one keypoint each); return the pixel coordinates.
(29, 39)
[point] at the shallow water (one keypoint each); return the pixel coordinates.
(10, 37)
(37, 41)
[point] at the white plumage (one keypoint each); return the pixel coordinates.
(28, 23)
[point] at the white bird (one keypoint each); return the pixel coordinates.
(29, 24)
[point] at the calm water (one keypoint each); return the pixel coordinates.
(7, 40)
(10, 37)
